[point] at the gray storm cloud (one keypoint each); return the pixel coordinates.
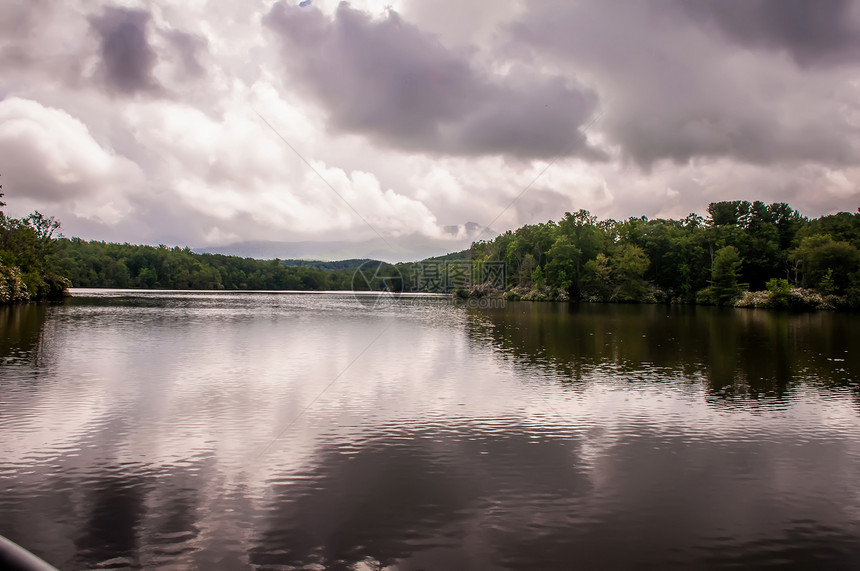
(709, 79)
(138, 124)
(824, 32)
(392, 82)
(187, 50)
(127, 59)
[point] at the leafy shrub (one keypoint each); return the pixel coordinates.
(780, 292)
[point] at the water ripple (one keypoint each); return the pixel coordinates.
(225, 430)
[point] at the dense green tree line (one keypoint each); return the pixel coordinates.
(101, 264)
(740, 245)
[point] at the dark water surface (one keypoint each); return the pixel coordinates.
(280, 431)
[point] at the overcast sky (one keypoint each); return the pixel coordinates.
(146, 121)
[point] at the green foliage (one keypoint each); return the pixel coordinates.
(598, 278)
(827, 285)
(780, 292)
(100, 264)
(628, 270)
(537, 277)
(562, 266)
(28, 265)
(762, 233)
(739, 244)
(842, 227)
(852, 298)
(724, 276)
(12, 286)
(826, 264)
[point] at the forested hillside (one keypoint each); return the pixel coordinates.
(739, 246)
(101, 264)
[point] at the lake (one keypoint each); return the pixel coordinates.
(290, 430)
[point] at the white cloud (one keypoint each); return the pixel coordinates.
(51, 157)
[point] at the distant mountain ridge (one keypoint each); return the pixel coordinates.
(355, 263)
(401, 249)
(324, 265)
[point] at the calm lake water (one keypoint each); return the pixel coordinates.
(280, 431)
